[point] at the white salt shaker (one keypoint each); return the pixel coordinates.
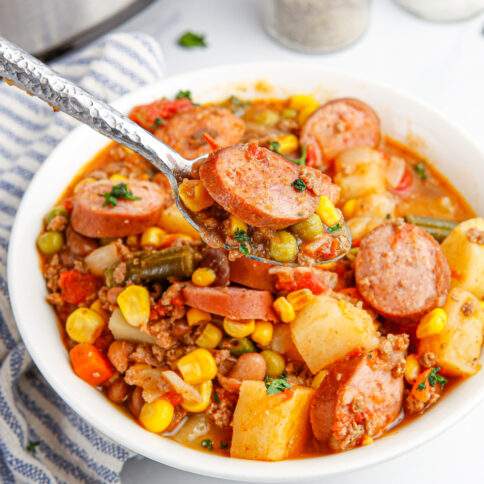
(443, 10)
(316, 26)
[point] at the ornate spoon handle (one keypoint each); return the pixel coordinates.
(28, 73)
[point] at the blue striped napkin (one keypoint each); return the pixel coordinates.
(41, 438)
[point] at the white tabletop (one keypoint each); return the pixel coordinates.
(442, 64)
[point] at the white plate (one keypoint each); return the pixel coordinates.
(453, 152)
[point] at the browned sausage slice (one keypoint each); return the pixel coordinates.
(401, 271)
(341, 124)
(92, 218)
(361, 395)
(184, 132)
(232, 302)
(255, 184)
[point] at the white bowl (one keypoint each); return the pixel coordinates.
(453, 152)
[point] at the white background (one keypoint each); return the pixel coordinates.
(442, 64)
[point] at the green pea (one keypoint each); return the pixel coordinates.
(308, 229)
(241, 346)
(283, 247)
(50, 242)
(56, 212)
(275, 363)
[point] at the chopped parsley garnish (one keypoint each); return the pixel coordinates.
(420, 170)
(216, 398)
(32, 446)
(333, 228)
(243, 238)
(184, 95)
(276, 385)
(274, 146)
(207, 444)
(118, 192)
(433, 378)
(224, 445)
(299, 185)
(158, 122)
(190, 40)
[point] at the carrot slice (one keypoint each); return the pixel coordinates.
(90, 364)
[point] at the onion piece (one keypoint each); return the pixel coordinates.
(102, 258)
(121, 329)
(188, 392)
(394, 171)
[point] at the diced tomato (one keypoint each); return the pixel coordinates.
(405, 183)
(90, 364)
(173, 397)
(77, 286)
(301, 278)
(151, 116)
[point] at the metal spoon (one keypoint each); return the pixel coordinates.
(31, 75)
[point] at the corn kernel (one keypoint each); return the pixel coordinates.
(239, 329)
(284, 309)
(197, 366)
(367, 440)
(84, 182)
(412, 368)
(432, 323)
(237, 224)
(132, 240)
(203, 276)
(349, 208)
(205, 390)
(300, 101)
(262, 333)
(118, 178)
(210, 337)
(194, 195)
(300, 298)
(318, 378)
(96, 306)
(305, 112)
(84, 325)
(134, 303)
(287, 144)
(197, 316)
(157, 416)
(327, 211)
(173, 221)
(153, 237)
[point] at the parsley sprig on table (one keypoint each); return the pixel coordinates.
(184, 95)
(276, 385)
(189, 40)
(243, 238)
(118, 192)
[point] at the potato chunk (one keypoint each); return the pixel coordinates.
(458, 346)
(329, 328)
(359, 172)
(464, 250)
(270, 427)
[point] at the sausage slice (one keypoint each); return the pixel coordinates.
(255, 184)
(360, 396)
(92, 218)
(232, 302)
(184, 132)
(341, 124)
(401, 271)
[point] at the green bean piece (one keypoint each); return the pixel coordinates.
(56, 212)
(158, 265)
(432, 222)
(50, 242)
(241, 346)
(438, 234)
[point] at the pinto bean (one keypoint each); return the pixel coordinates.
(118, 354)
(136, 402)
(250, 366)
(117, 391)
(216, 259)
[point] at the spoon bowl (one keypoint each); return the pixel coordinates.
(28, 73)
